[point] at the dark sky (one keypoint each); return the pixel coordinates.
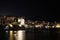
(33, 9)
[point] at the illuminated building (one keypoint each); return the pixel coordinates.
(20, 21)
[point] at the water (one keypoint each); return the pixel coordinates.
(12, 35)
(20, 35)
(44, 34)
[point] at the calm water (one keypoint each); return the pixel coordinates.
(35, 34)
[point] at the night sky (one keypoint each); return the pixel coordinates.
(33, 9)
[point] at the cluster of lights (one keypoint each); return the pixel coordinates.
(28, 23)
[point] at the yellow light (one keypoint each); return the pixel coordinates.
(19, 20)
(38, 26)
(20, 25)
(11, 35)
(10, 25)
(58, 26)
(21, 35)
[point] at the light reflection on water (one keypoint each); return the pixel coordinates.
(20, 35)
(11, 35)
(17, 35)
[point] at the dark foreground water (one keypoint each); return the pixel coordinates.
(31, 34)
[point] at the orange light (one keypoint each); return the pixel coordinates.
(58, 26)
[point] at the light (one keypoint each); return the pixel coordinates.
(19, 20)
(15, 31)
(26, 26)
(53, 26)
(20, 25)
(4, 16)
(15, 36)
(11, 35)
(47, 26)
(22, 21)
(6, 27)
(10, 25)
(21, 35)
(32, 22)
(58, 26)
(6, 31)
(38, 26)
